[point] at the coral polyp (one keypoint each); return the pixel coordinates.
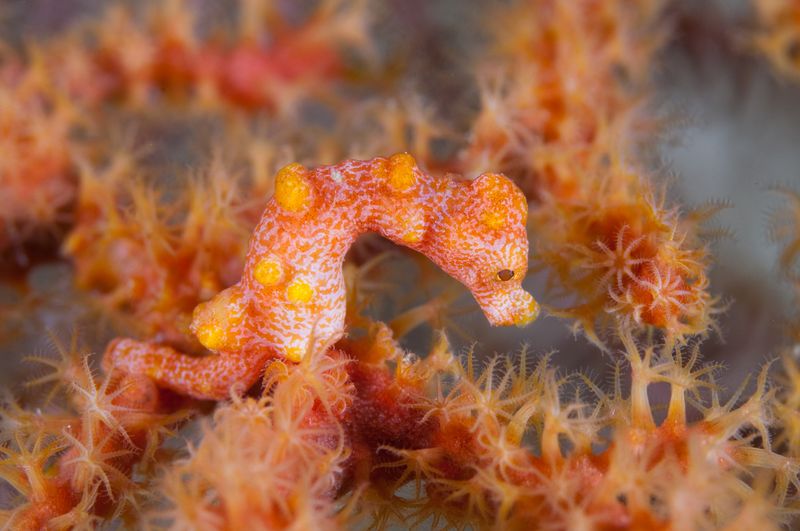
(630, 259)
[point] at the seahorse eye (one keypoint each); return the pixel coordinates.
(505, 274)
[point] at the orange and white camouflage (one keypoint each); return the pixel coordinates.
(292, 292)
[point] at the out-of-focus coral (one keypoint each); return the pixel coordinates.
(143, 57)
(778, 34)
(787, 405)
(560, 87)
(153, 260)
(386, 125)
(36, 173)
(264, 61)
(785, 230)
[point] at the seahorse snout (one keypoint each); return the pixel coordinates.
(514, 307)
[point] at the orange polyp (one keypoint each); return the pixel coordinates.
(292, 293)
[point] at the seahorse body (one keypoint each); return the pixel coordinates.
(292, 289)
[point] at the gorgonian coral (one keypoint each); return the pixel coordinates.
(136, 56)
(476, 464)
(633, 263)
(287, 451)
(561, 113)
(36, 171)
(155, 261)
(76, 466)
(343, 434)
(271, 377)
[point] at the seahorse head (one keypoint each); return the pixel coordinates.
(481, 240)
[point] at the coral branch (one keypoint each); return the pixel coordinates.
(561, 114)
(76, 470)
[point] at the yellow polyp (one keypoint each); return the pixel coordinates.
(299, 292)
(294, 354)
(292, 189)
(212, 336)
(276, 372)
(268, 272)
(214, 322)
(401, 172)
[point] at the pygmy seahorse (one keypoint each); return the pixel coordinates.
(292, 289)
